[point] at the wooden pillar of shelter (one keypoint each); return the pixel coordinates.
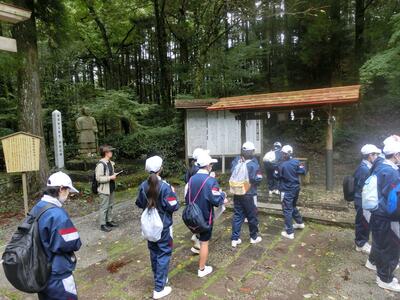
(243, 128)
(329, 153)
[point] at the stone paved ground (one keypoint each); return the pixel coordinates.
(319, 264)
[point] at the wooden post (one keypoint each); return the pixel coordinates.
(242, 128)
(185, 120)
(329, 153)
(223, 164)
(25, 190)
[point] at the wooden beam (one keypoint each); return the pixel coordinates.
(13, 14)
(8, 44)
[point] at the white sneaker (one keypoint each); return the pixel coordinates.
(195, 250)
(270, 193)
(165, 292)
(246, 221)
(393, 286)
(364, 249)
(207, 270)
(276, 192)
(236, 242)
(370, 266)
(256, 241)
(286, 235)
(299, 226)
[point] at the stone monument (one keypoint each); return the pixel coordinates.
(86, 127)
(58, 139)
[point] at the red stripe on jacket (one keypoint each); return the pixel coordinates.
(67, 230)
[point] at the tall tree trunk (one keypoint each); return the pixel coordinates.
(164, 73)
(359, 32)
(29, 97)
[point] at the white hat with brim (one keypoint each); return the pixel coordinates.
(153, 164)
(391, 148)
(370, 149)
(287, 149)
(205, 159)
(248, 146)
(391, 139)
(61, 179)
(197, 152)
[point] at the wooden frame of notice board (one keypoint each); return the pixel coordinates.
(22, 155)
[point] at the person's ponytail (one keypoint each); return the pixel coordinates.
(152, 193)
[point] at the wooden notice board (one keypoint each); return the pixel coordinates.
(21, 152)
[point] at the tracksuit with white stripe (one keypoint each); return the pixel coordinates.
(385, 250)
(362, 216)
(60, 239)
(160, 251)
(244, 206)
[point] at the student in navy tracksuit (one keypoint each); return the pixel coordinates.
(245, 205)
(271, 162)
(385, 250)
(205, 192)
(194, 168)
(60, 239)
(370, 154)
(154, 192)
(289, 186)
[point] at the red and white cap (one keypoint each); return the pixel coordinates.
(62, 180)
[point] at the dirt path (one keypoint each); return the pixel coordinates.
(319, 264)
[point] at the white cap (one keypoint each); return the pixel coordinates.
(248, 146)
(278, 144)
(287, 149)
(153, 164)
(205, 159)
(369, 149)
(391, 148)
(391, 139)
(63, 180)
(197, 151)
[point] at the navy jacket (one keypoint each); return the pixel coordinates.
(60, 238)
(288, 174)
(360, 175)
(167, 201)
(190, 172)
(388, 177)
(255, 175)
(209, 196)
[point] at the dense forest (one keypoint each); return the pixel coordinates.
(128, 60)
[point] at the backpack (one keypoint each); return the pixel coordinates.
(192, 215)
(349, 188)
(393, 204)
(369, 195)
(95, 183)
(24, 260)
(270, 157)
(239, 182)
(152, 225)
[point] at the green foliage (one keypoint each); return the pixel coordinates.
(166, 142)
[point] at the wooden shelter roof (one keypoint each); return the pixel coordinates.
(194, 103)
(13, 14)
(334, 96)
